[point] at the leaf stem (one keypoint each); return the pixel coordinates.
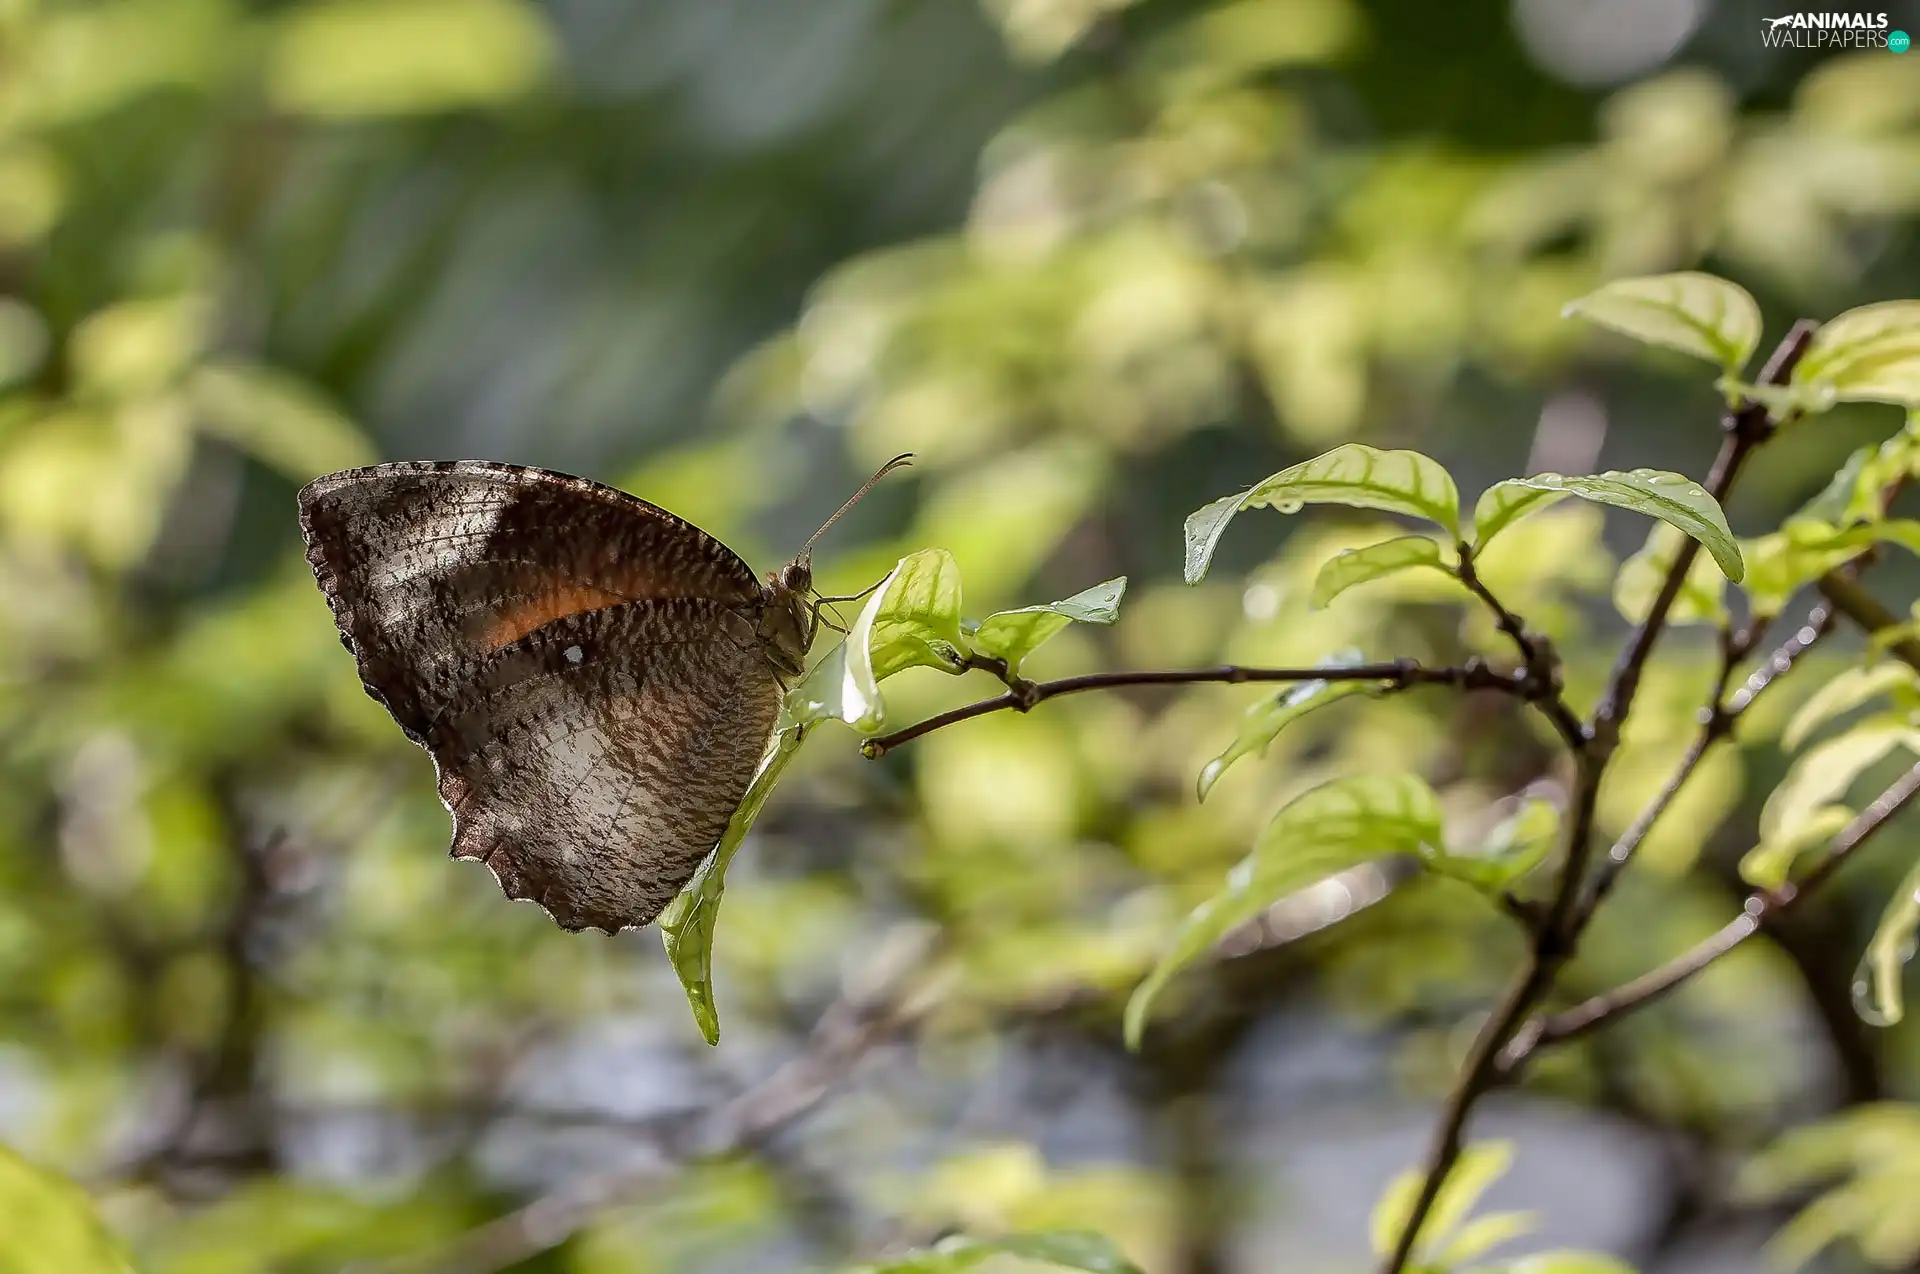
(1537, 655)
(1745, 427)
(1761, 909)
(1717, 724)
(1023, 695)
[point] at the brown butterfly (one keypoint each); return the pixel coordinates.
(595, 679)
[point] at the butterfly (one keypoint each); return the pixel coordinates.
(595, 678)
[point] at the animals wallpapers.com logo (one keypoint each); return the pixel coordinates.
(1832, 30)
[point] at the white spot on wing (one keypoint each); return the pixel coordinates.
(575, 654)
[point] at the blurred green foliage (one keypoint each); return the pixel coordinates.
(1097, 262)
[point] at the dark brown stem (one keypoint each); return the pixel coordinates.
(1864, 609)
(1559, 933)
(1024, 695)
(1760, 910)
(1718, 720)
(1536, 655)
(1745, 429)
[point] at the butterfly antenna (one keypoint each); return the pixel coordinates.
(898, 462)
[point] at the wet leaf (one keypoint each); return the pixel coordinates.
(1262, 722)
(1514, 847)
(1323, 831)
(1671, 497)
(1355, 475)
(1012, 635)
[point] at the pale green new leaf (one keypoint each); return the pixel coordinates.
(1355, 475)
(1356, 566)
(1847, 690)
(1671, 497)
(1877, 990)
(1702, 595)
(1012, 635)
(1262, 722)
(48, 1225)
(1325, 830)
(1503, 504)
(1479, 1166)
(1824, 772)
(1482, 1234)
(1869, 354)
(911, 620)
(1514, 847)
(1694, 313)
(1769, 864)
(1066, 1249)
(1784, 562)
(686, 926)
(1564, 1263)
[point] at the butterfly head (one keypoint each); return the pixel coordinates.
(789, 618)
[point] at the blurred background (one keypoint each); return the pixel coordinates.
(1097, 262)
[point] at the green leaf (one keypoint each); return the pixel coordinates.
(1847, 690)
(1674, 499)
(1823, 773)
(1694, 313)
(1012, 635)
(1479, 1166)
(1356, 566)
(1877, 991)
(1840, 503)
(1701, 599)
(686, 926)
(1769, 864)
(1482, 1234)
(48, 1225)
(1503, 504)
(1869, 354)
(1564, 1263)
(1514, 847)
(1355, 475)
(911, 620)
(1067, 1249)
(1323, 831)
(1784, 562)
(1263, 721)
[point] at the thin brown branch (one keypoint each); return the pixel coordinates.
(1760, 910)
(1560, 930)
(1717, 724)
(1536, 655)
(1864, 609)
(1022, 695)
(1745, 429)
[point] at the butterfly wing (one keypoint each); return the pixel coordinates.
(594, 762)
(430, 566)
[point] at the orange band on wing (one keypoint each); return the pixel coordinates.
(512, 625)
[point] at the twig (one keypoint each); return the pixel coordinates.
(1024, 695)
(1536, 654)
(1857, 604)
(1559, 931)
(1745, 429)
(1760, 910)
(1717, 724)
